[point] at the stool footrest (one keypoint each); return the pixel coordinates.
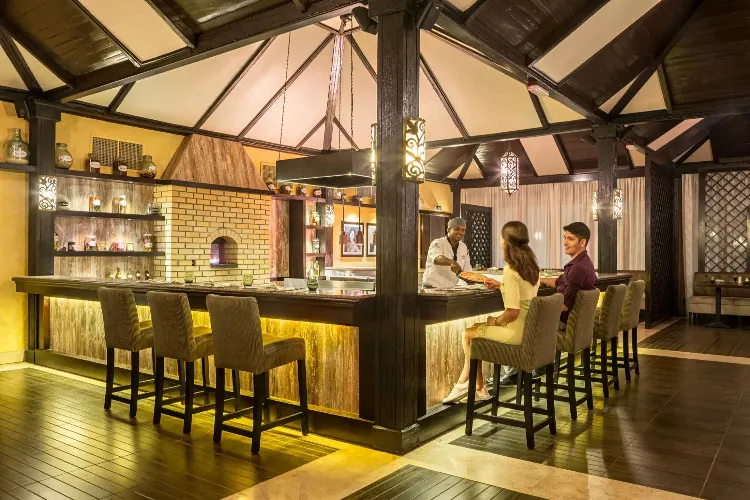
(264, 427)
(559, 397)
(513, 406)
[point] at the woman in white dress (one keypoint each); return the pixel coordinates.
(520, 285)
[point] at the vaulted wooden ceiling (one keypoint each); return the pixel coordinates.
(219, 67)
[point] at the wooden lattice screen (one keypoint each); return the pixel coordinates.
(478, 234)
(661, 264)
(725, 198)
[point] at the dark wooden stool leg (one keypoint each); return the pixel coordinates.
(159, 382)
(259, 386)
(572, 387)
(551, 379)
(219, 416)
(204, 375)
(527, 410)
(615, 369)
(236, 389)
(604, 371)
(189, 391)
(135, 371)
(302, 383)
(634, 343)
(626, 354)
(181, 377)
(519, 387)
(558, 357)
(473, 368)
(110, 378)
(587, 378)
(266, 395)
(496, 393)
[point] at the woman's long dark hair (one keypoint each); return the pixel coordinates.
(518, 253)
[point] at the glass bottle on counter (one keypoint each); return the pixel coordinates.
(138, 275)
(119, 275)
(146, 275)
(147, 168)
(120, 166)
(63, 158)
(89, 243)
(16, 149)
(95, 203)
(92, 164)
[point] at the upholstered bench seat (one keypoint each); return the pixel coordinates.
(734, 301)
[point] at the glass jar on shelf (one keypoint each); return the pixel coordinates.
(120, 204)
(315, 245)
(130, 246)
(120, 166)
(56, 243)
(95, 203)
(63, 158)
(89, 243)
(92, 164)
(148, 242)
(16, 149)
(147, 168)
(71, 246)
(314, 219)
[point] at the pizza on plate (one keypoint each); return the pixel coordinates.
(473, 277)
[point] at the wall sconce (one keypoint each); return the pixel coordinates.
(47, 193)
(595, 207)
(618, 205)
(329, 215)
(509, 172)
(414, 150)
(373, 149)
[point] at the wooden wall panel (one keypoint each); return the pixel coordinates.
(77, 190)
(279, 238)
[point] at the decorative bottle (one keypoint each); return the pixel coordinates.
(147, 168)
(63, 159)
(16, 150)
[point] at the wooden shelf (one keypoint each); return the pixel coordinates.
(62, 172)
(294, 197)
(317, 255)
(17, 167)
(61, 253)
(106, 215)
(317, 228)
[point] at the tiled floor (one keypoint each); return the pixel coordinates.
(56, 441)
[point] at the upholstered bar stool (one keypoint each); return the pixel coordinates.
(629, 323)
(537, 349)
(606, 329)
(577, 337)
(175, 337)
(239, 344)
(122, 330)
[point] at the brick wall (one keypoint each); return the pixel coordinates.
(195, 217)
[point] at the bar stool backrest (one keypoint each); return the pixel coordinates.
(632, 308)
(121, 325)
(173, 325)
(607, 321)
(238, 337)
(580, 328)
(539, 342)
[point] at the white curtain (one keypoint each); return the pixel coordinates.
(689, 232)
(546, 208)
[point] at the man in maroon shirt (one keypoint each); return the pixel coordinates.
(578, 274)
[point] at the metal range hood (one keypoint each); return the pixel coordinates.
(341, 169)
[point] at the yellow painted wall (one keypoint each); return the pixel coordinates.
(351, 215)
(13, 206)
(258, 156)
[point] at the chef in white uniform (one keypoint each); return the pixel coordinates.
(447, 257)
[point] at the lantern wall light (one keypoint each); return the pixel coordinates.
(414, 149)
(509, 172)
(595, 207)
(329, 215)
(373, 149)
(618, 205)
(47, 193)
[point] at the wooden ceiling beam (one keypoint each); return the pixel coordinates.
(550, 179)
(301, 5)
(664, 85)
(467, 164)
(311, 132)
(524, 157)
(257, 27)
(358, 50)
(235, 80)
(564, 154)
(121, 95)
(40, 52)
(442, 96)
(346, 134)
(286, 85)
(169, 13)
(695, 147)
(539, 110)
(696, 134)
(555, 128)
(480, 165)
(19, 63)
(121, 46)
(653, 65)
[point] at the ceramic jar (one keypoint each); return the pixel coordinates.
(16, 150)
(63, 159)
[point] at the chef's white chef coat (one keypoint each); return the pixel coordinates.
(442, 276)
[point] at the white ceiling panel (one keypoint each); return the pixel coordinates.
(365, 98)
(598, 30)
(8, 75)
(703, 153)
(462, 4)
(486, 100)
(264, 79)
(46, 78)
(438, 123)
(612, 101)
(638, 159)
(315, 141)
(456, 173)
(305, 106)
(369, 45)
(557, 112)
(673, 132)
(334, 22)
(544, 155)
(182, 95)
(473, 172)
(103, 98)
(428, 154)
(649, 98)
(152, 37)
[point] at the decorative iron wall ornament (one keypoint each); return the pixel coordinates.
(373, 149)
(727, 222)
(47, 193)
(595, 207)
(329, 215)
(414, 149)
(509, 172)
(618, 204)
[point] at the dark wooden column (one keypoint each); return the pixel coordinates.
(606, 145)
(42, 118)
(397, 213)
(456, 201)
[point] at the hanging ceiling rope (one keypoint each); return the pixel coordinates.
(286, 78)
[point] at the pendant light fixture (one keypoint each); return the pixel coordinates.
(360, 235)
(342, 237)
(509, 171)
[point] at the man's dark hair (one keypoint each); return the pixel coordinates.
(579, 229)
